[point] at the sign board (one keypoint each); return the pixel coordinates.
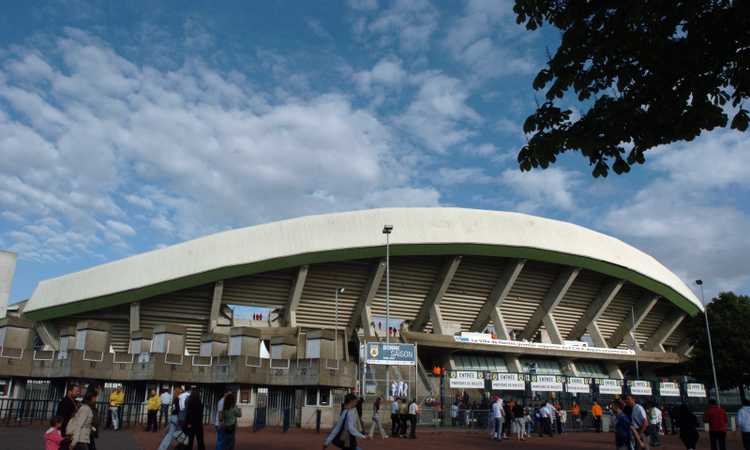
(696, 390)
(576, 385)
(640, 387)
(465, 379)
(380, 353)
(546, 383)
(608, 386)
(669, 389)
(508, 382)
(480, 338)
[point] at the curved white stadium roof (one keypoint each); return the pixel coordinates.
(354, 235)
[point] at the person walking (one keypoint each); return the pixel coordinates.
(563, 414)
(216, 421)
(640, 422)
(394, 417)
(654, 425)
(454, 413)
(716, 418)
(165, 399)
(66, 409)
(687, 424)
(413, 412)
(376, 420)
(625, 432)
(116, 400)
(152, 408)
(194, 419)
(743, 423)
(228, 422)
(53, 438)
(519, 425)
(344, 433)
(360, 413)
(80, 427)
(596, 413)
(575, 412)
(497, 419)
(173, 422)
(403, 417)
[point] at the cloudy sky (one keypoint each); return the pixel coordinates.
(126, 128)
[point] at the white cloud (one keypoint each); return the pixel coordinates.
(386, 72)
(439, 116)
(365, 5)
(408, 23)
(462, 175)
(193, 150)
(540, 190)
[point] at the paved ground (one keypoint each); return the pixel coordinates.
(30, 438)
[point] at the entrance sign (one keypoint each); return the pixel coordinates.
(609, 386)
(546, 383)
(696, 390)
(576, 385)
(508, 382)
(668, 389)
(486, 339)
(640, 387)
(380, 353)
(465, 379)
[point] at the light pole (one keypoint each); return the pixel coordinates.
(710, 345)
(336, 331)
(635, 344)
(387, 229)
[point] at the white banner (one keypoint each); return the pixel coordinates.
(508, 382)
(669, 389)
(640, 387)
(696, 390)
(479, 338)
(612, 387)
(578, 386)
(546, 383)
(465, 380)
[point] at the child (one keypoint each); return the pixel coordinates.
(53, 437)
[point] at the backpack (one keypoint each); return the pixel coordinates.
(343, 439)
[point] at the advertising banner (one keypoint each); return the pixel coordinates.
(608, 386)
(640, 387)
(576, 385)
(508, 382)
(696, 390)
(481, 338)
(669, 389)
(546, 383)
(380, 353)
(465, 379)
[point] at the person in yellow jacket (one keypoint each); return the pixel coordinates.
(116, 399)
(152, 406)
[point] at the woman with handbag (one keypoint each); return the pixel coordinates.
(344, 434)
(228, 421)
(80, 426)
(174, 432)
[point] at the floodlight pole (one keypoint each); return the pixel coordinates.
(336, 331)
(387, 229)
(710, 345)
(635, 344)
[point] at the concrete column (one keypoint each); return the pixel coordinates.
(48, 334)
(613, 370)
(362, 313)
(430, 309)
(135, 316)
(642, 308)
(596, 308)
(216, 305)
(496, 298)
(543, 313)
(513, 363)
(295, 294)
(671, 322)
(7, 270)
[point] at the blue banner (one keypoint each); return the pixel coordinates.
(391, 354)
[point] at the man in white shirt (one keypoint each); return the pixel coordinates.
(639, 420)
(654, 425)
(165, 399)
(413, 419)
(454, 413)
(743, 424)
(183, 399)
(497, 417)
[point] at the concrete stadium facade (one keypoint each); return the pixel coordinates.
(524, 280)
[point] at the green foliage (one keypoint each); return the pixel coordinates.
(729, 319)
(650, 73)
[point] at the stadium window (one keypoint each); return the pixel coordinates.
(311, 397)
(324, 397)
(245, 394)
(4, 387)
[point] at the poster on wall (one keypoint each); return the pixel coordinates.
(576, 385)
(465, 379)
(380, 353)
(696, 390)
(640, 387)
(508, 382)
(609, 386)
(547, 383)
(669, 389)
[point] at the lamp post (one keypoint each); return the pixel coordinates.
(635, 344)
(710, 345)
(387, 229)
(336, 331)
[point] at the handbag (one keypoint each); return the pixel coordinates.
(181, 438)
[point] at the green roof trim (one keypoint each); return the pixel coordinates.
(211, 276)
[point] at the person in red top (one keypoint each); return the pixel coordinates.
(716, 418)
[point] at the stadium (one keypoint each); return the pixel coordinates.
(282, 312)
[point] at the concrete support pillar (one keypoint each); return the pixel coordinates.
(568, 367)
(295, 294)
(587, 322)
(491, 308)
(135, 316)
(513, 363)
(216, 306)
(656, 342)
(362, 314)
(544, 312)
(613, 371)
(641, 309)
(430, 309)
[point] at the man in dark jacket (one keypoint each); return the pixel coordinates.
(194, 419)
(68, 406)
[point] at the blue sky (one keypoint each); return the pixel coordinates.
(125, 128)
